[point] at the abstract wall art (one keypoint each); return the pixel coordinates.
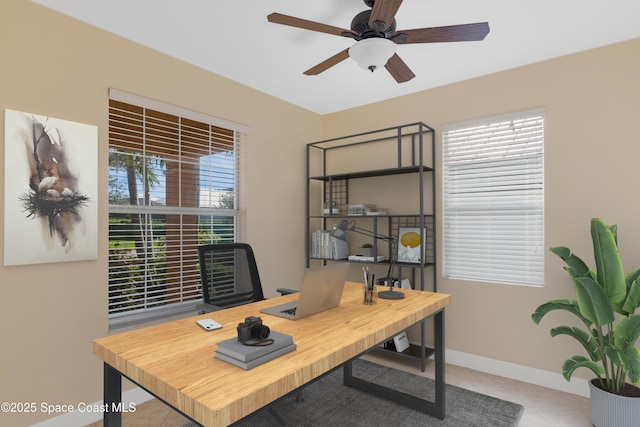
(51, 185)
(410, 246)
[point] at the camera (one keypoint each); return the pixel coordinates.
(252, 327)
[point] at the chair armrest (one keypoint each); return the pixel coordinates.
(207, 308)
(286, 291)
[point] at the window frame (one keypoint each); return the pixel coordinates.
(179, 157)
(502, 174)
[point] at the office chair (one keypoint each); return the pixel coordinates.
(229, 276)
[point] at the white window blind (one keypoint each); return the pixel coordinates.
(173, 185)
(493, 200)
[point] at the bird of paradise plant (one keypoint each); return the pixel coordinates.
(606, 301)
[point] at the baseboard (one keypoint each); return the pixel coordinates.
(80, 418)
(526, 374)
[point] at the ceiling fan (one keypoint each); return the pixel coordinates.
(375, 32)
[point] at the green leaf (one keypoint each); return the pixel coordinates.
(586, 339)
(559, 304)
(570, 365)
(614, 231)
(628, 359)
(632, 276)
(627, 332)
(576, 267)
(593, 301)
(608, 264)
(632, 301)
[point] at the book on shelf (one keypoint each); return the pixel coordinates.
(257, 361)
(361, 258)
(401, 342)
(324, 245)
(320, 247)
(246, 353)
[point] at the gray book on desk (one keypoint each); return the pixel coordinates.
(258, 361)
(245, 353)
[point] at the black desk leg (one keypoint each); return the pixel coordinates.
(435, 408)
(112, 397)
(439, 410)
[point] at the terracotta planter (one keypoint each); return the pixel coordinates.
(612, 410)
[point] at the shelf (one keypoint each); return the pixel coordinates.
(372, 173)
(386, 261)
(411, 148)
(354, 217)
(413, 351)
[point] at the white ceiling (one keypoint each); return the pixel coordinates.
(233, 39)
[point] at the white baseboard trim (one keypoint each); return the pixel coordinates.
(526, 374)
(81, 417)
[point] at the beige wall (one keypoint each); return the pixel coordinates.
(592, 145)
(55, 66)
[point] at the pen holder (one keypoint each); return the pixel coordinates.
(370, 295)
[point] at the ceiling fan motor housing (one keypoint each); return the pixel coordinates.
(360, 24)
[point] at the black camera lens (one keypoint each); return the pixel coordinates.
(252, 327)
(260, 331)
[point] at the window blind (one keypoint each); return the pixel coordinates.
(173, 185)
(493, 200)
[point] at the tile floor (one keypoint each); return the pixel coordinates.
(543, 407)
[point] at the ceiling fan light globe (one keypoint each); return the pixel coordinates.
(372, 53)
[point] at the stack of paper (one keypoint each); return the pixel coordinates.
(247, 356)
(361, 258)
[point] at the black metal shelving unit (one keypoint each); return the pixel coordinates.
(333, 165)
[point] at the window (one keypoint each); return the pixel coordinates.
(493, 200)
(173, 185)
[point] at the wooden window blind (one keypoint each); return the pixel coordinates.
(173, 185)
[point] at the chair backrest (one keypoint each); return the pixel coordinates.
(229, 274)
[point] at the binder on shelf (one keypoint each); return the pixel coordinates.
(321, 248)
(244, 353)
(323, 245)
(340, 248)
(257, 361)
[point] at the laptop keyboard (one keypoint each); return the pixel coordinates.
(291, 311)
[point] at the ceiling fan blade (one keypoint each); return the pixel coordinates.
(398, 69)
(328, 63)
(291, 21)
(452, 33)
(383, 13)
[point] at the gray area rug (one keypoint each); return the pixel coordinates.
(328, 402)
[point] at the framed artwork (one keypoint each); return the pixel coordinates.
(410, 246)
(51, 190)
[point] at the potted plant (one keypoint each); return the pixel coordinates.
(365, 250)
(606, 301)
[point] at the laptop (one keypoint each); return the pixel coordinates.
(321, 290)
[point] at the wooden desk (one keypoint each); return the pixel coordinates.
(175, 361)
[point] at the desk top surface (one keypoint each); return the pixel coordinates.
(176, 362)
